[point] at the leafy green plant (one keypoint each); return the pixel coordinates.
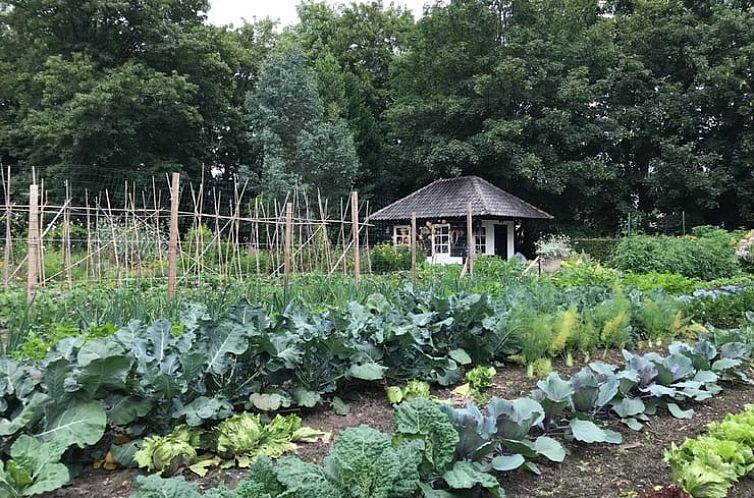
(34, 468)
(501, 435)
(708, 466)
(363, 463)
(671, 283)
(157, 487)
(421, 420)
(168, 454)
(704, 257)
(582, 272)
(413, 389)
(385, 258)
(536, 332)
(479, 380)
(244, 437)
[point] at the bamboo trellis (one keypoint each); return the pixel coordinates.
(217, 234)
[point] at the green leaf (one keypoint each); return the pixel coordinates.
(633, 424)
(677, 412)
(506, 463)
(367, 371)
(267, 402)
(123, 410)
(34, 467)
(465, 475)
(157, 487)
(203, 408)
(98, 350)
(306, 398)
(108, 374)
(587, 431)
(725, 364)
(421, 419)
(460, 355)
(123, 454)
(629, 407)
(82, 424)
(394, 395)
(202, 466)
(340, 407)
(27, 417)
(549, 448)
(228, 338)
(55, 376)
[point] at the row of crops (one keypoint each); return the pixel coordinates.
(106, 394)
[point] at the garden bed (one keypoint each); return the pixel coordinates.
(607, 471)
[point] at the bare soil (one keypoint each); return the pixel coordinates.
(604, 471)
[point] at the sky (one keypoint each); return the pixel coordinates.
(224, 12)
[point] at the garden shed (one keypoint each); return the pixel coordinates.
(441, 213)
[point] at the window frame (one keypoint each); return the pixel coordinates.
(435, 236)
(399, 238)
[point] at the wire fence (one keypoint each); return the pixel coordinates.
(221, 229)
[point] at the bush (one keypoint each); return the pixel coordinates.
(599, 249)
(498, 268)
(385, 258)
(670, 282)
(721, 310)
(707, 257)
(582, 272)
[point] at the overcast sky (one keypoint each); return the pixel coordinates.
(224, 12)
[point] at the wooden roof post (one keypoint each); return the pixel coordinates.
(413, 247)
(470, 239)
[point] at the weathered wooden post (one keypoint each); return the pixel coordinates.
(66, 242)
(470, 239)
(355, 228)
(8, 236)
(173, 241)
(33, 244)
(288, 241)
(413, 247)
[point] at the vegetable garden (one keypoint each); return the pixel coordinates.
(501, 383)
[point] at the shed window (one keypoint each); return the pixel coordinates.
(480, 238)
(401, 235)
(441, 235)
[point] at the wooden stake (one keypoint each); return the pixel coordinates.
(470, 239)
(288, 237)
(89, 262)
(173, 241)
(413, 247)
(8, 236)
(355, 229)
(33, 243)
(67, 237)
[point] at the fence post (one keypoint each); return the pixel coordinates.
(470, 239)
(66, 242)
(33, 244)
(8, 236)
(173, 241)
(355, 229)
(288, 240)
(413, 247)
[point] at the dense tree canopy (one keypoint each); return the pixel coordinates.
(591, 109)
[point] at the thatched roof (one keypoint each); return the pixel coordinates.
(448, 198)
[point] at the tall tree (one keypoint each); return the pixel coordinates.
(140, 87)
(513, 92)
(301, 147)
(353, 48)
